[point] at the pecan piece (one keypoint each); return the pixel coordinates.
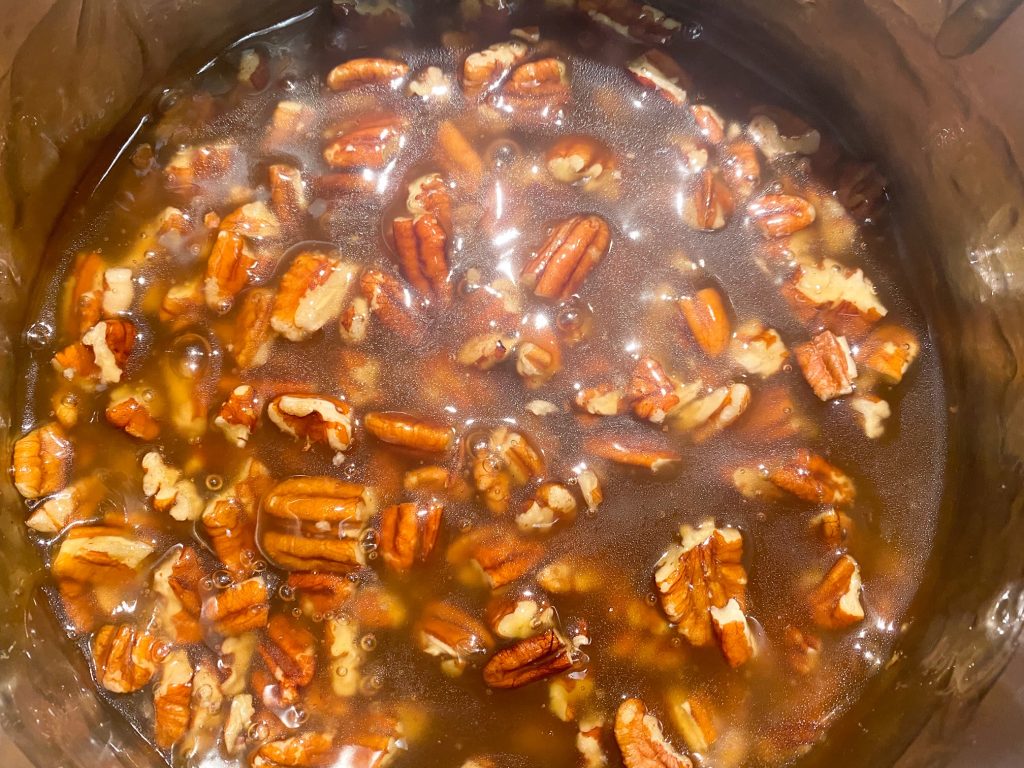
(287, 193)
(485, 70)
(706, 416)
(253, 334)
(578, 159)
(708, 204)
(459, 155)
(177, 582)
(239, 415)
(833, 526)
(41, 461)
(741, 169)
(571, 576)
(506, 461)
(131, 410)
(230, 519)
(757, 350)
(707, 319)
(781, 215)
(83, 293)
(889, 351)
(811, 478)
(172, 699)
(408, 533)
(803, 650)
(238, 722)
(872, 412)
(307, 750)
(432, 84)
(702, 572)
(660, 72)
(357, 73)
(421, 245)
(602, 400)
(452, 635)
(168, 490)
(691, 720)
(320, 593)
(653, 393)
(228, 270)
(389, 300)
(289, 652)
(537, 87)
(240, 608)
(733, 633)
(837, 290)
(79, 501)
(538, 359)
(486, 350)
(313, 523)
(566, 696)
(835, 603)
(655, 460)
(766, 134)
(521, 615)
(345, 657)
(571, 252)
(369, 142)
(631, 19)
(125, 657)
(101, 354)
(532, 659)
(493, 557)
(314, 419)
(827, 364)
(407, 431)
(552, 503)
(312, 293)
(641, 741)
(428, 195)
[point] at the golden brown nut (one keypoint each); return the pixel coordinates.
(506, 462)
(827, 364)
(641, 740)
(552, 504)
(708, 204)
(458, 154)
(240, 608)
(492, 557)
(172, 699)
(485, 70)
(227, 270)
(571, 252)
(521, 614)
(239, 415)
(758, 350)
(654, 394)
(390, 301)
(452, 635)
(42, 461)
(357, 73)
(229, 520)
(407, 431)
(652, 458)
(803, 650)
(289, 653)
(533, 658)
(708, 415)
(538, 87)
(811, 478)
(253, 334)
(408, 533)
(131, 411)
(692, 720)
(125, 657)
(781, 215)
(707, 319)
(632, 20)
(421, 244)
(312, 293)
(79, 501)
(835, 603)
(889, 351)
(576, 159)
(369, 142)
(307, 750)
(167, 489)
(314, 419)
(660, 72)
(177, 581)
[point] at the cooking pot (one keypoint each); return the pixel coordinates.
(900, 79)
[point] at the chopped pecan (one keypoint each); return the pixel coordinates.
(491, 556)
(590, 488)
(660, 72)
(307, 750)
(287, 193)
(708, 203)
(125, 657)
(431, 84)
(79, 501)
(631, 19)
(811, 478)
(345, 657)
(369, 142)
(538, 358)
(240, 608)
(289, 652)
(759, 351)
(589, 743)
(827, 364)
(354, 321)
(168, 490)
(312, 293)
(41, 462)
(194, 165)
(537, 87)
(531, 659)
(704, 571)
(236, 655)
(571, 575)
(572, 250)
(838, 290)
(118, 291)
(486, 350)
(803, 650)
(356, 73)
(408, 533)
(239, 415)
(177, 581)
(710, 124)
(428, 195)
(552, 503)
(781, 215)
(872, 412)
(835, 603)
(320, 593)
(505, 462)
(101, 354)
(578, 159)
(453, 635)
(632, 454)
(566, 696)
(485, 70)
(741, 169)
(754, 484)
(889, 351)
(182, 305)
(707, 319)
(520, 615)
(66, 407)
(172, 699)
(314, 419)
(833, 526)
(653, 393)
(131, 411)
(313, 523)
(83, 293)
(773, 144)
(458, 154)
(228, 270)
(238, 722)
(708, 415)
(253, 334)
(641, 741)
(407, 431)
(390, 301)
(421, 244)
(602, 400)
(733, 633)
(692, 721)
(230, 519)
(206, 701)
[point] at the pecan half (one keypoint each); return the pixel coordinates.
(571, 252)
(320, 593)
(130, 410)
(431, 84)
(486, 350)
(641, 741)
(125, 657)
(167, 489)
(708, 203)
(453, 635)
(741, 169)
(369, 142)
(578, 159)
(407, 431)
(485, 70)
(631, 19)
(421, 244)
(552, 503)
(781, 215)
(692, 720)
(538, 87)
(811, 478)
(704, 571)
(799, 138)
(314, 419)
(633, 454)
(290, 123)
(230, 519)
(101, 354)
(287, 194)
(357, 73)
(177, 582)
(889, 351)
(708, 320)
(506, 461)
(835, 603)
(312, 293)
(240, 608)
(313, 523)
(708, 415)
(458, 154)
(408, 533)
(238, 723)
(660, 72)
(827, 364)
(228, 270)
(531, 659)
(41, 462)
(83, 293)
(192, 166)
(289, 652)
(239, 415)
(493, 557)
(253, 334)
(757, 350)
(710, 124)
(172, 699)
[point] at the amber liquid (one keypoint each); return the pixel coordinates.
(898, 477)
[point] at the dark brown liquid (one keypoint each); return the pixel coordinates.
(898, 478)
